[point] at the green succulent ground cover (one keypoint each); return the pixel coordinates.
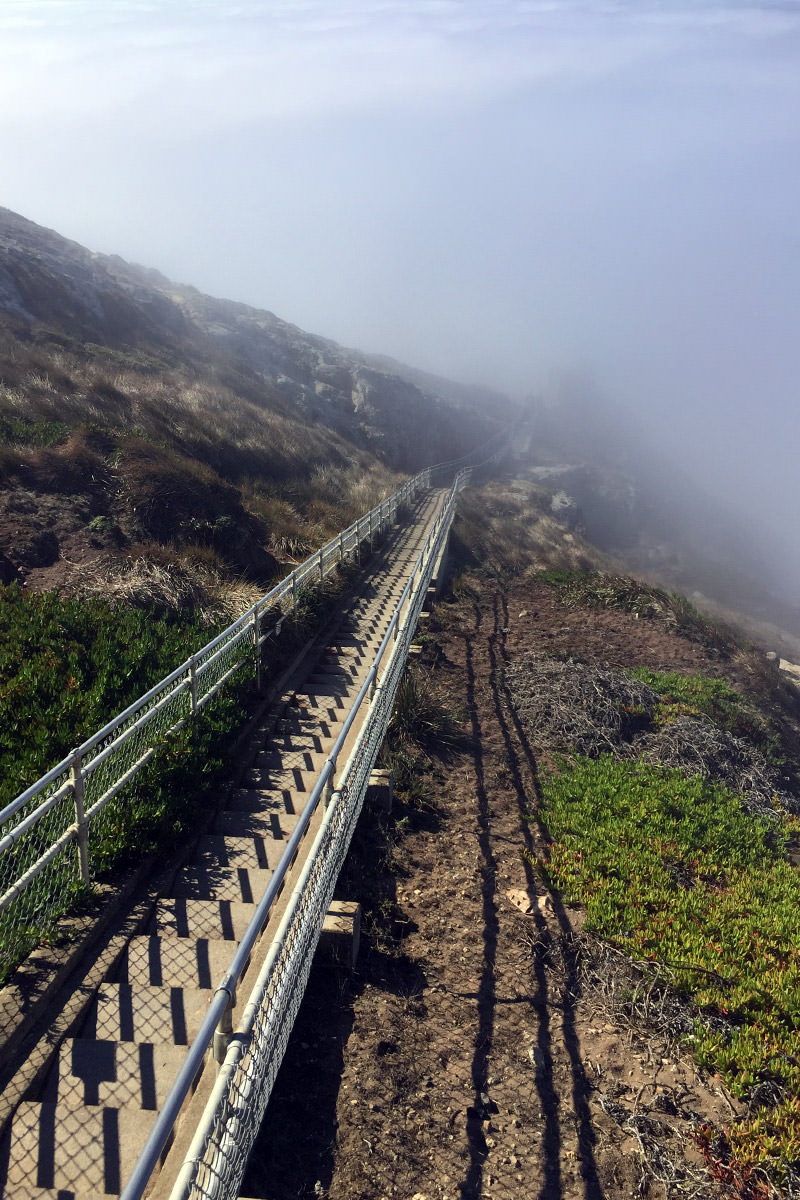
(67, 666)
(672, 871)
(699, 696)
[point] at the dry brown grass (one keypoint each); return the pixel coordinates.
(510, 529)
(142, 581)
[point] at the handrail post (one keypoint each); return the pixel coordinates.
(224, 1031)
(82, 825)
(257, 642)
(329, 788)
(193, 684)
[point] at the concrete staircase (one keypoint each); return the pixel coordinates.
(81, 1134)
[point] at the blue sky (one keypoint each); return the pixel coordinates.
(495, 190)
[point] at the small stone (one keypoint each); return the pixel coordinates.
(536, 1055)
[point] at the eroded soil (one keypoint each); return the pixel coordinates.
(480, 1049)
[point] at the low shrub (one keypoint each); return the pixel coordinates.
(597, 589)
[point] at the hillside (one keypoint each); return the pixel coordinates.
(146, 428)
(609, 479)
(579, 965)
(539, 1008)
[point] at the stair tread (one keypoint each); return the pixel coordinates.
(207, 881)
(230, 850)
(98, 1072)
(226, 919)
(123, 1012)
(80, 1149)
(275, 825)
(152, 961)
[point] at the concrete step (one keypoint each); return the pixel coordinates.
(34, 1193)
(345, 653)
(178, 916)
(328, 683)
(289, 756)
(124, 1074)
(206, 882)
(260, 800)
(275, 825)
(334, 668)
(277, 780)
(176, 962)
(228, 851)
(298, 725)
(81, 1150)
(122, 1013)
(296, 735)
(320, 706)
(295, 778)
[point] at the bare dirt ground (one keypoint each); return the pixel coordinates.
(482, 1048)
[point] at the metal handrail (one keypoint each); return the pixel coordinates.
(88, 758)
(224, 994)
(211, 1029)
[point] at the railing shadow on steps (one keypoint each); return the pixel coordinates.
(46, 846)
(45, 834)
(249, 1057)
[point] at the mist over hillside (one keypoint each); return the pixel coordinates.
(609, 476)
(143, 421)
(145, 426)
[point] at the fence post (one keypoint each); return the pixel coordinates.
(370, 529)
(257, 642)
(321, 566)
(329, 788)
(193, 685)
(294, 589)
(341, 547)
(78, 793)
(224, 1031)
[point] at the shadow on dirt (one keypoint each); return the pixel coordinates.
(516, 745)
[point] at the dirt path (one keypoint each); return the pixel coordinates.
(477, 1051)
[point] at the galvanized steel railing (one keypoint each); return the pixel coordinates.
(47, 832)
(250, 1056)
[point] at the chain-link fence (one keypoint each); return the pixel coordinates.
(250, 1057)
(50, 835)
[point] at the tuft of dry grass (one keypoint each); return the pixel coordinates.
(143, 582)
